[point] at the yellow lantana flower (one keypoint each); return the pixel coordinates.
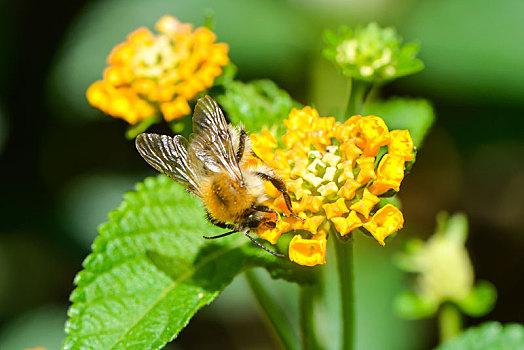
(151, 73)
(334, 179)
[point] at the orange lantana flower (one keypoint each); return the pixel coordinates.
(334, 179)
(151, 74)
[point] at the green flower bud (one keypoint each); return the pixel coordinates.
(371, 54)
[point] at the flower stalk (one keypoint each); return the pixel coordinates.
(308, 295)
(357, 95)
(344, 250)
(344, 253)
(449, 321)
(278, 320)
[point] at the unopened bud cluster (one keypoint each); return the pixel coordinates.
(371, 53)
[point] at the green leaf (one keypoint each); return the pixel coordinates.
(150, 270)
(488, 336)
(416, 115)
(409, 305)
(480, 300)
(227, 75)
(258, 104)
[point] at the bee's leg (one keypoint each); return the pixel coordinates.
(257, 157)
(220, 236)
(241, 144)
(261, 246)
(266, 209)
(281, 187)
(221, 225)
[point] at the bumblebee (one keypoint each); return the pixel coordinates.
(212, 165)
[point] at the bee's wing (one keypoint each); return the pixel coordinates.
(169, 156)
(211, 139)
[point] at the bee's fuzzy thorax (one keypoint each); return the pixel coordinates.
(224, 201)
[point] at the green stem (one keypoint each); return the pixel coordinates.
(449, 321)
(134, 130)
(344, 252)
(281, 325)
(307, 317)
(357, 96)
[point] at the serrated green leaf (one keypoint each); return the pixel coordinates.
(488, 336)
(416, 115)
(150, 270)
(257, 105)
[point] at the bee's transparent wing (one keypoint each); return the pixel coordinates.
(211, 139)
(169, 156)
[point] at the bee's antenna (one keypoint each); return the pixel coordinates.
(261, 246)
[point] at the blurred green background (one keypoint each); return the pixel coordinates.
(65, 165)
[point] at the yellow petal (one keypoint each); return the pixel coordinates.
(350, 150)
(367, 169)
(390, 173)
(386, 221)
(336, 209)
(117, 76)
(311, 203)
(371, 132)
(272, 235)
(308, 252)
(401, 144)
(347, 224)
(348, 189)
(98, 95)
(366, 204)
(121, 54)
(175, 109)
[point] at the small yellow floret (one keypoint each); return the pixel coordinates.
(336, 209)
(390, 173)
(401, 144)
(367, 169)
(176, 109)
(308, 252)
(272, 235)
(365, 205)
(386, 221)
(347, 224)
(348, 189)
(328, 189)
(371, 133)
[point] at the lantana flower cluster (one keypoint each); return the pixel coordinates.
(335, 179)
(151, 74)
